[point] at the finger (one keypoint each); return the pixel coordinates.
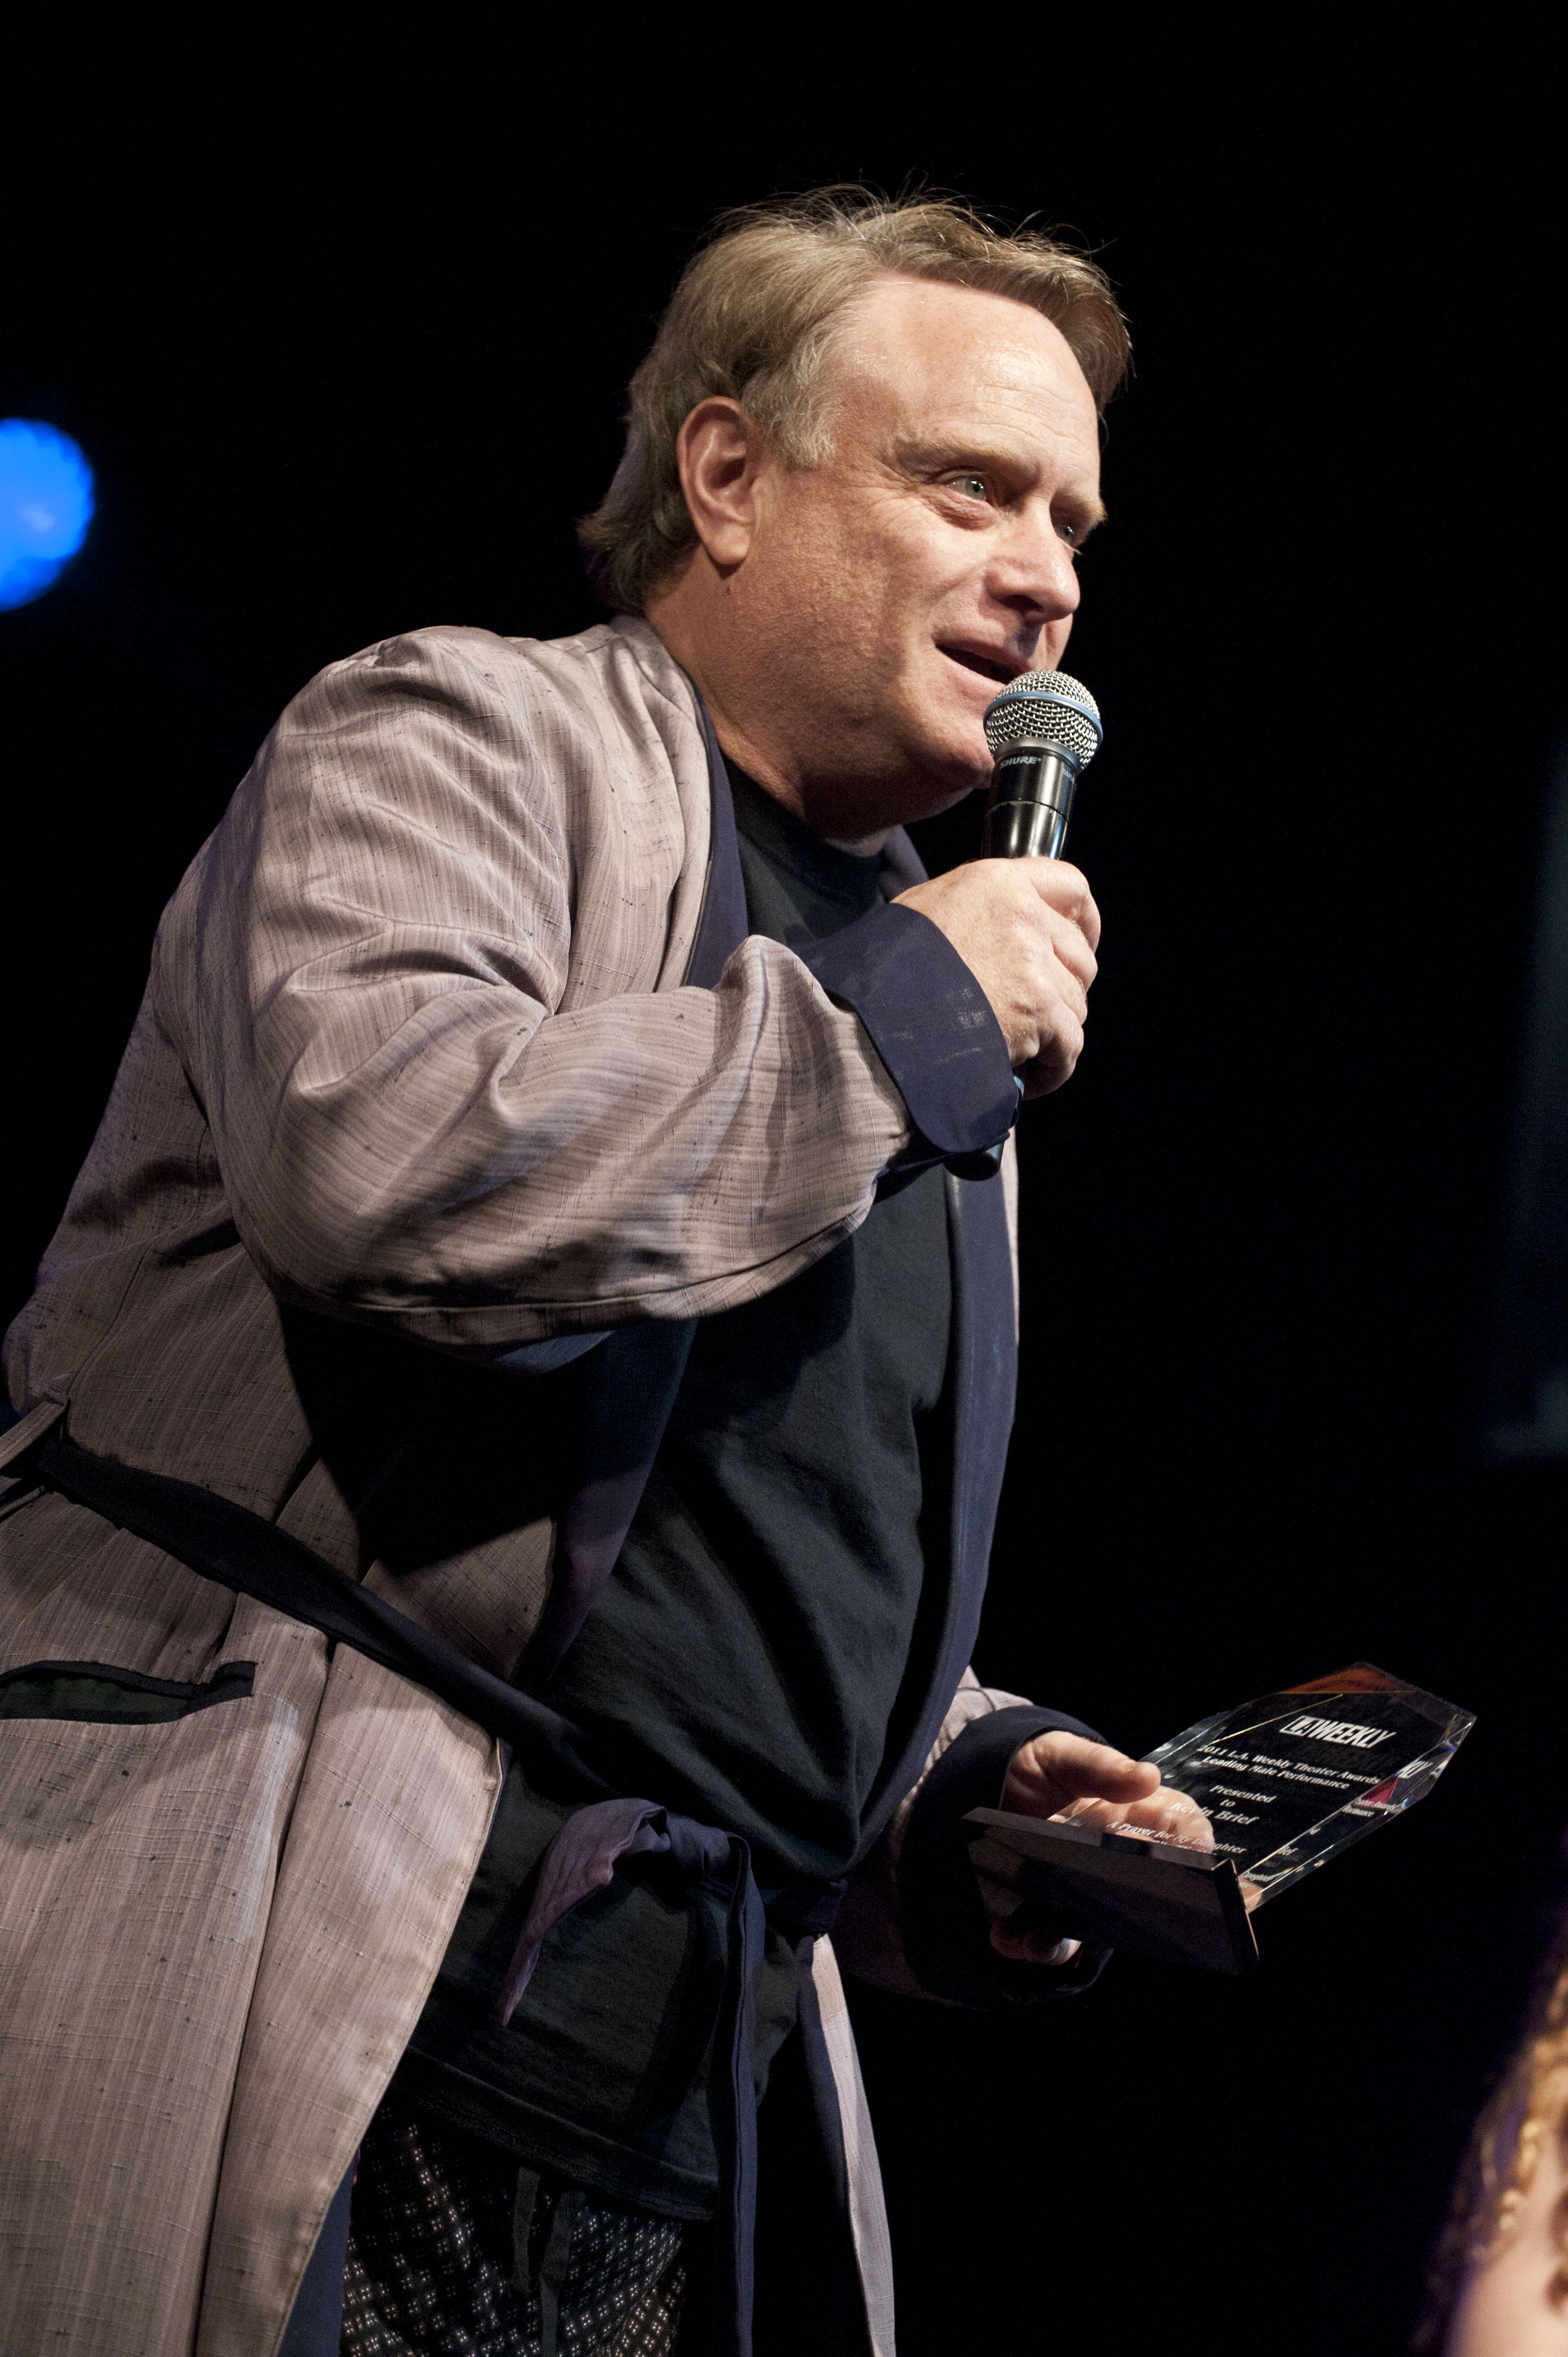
(1056, 1059)
(1070, 992)
(1082, 1769)
(1061, 962)
(1071, 951)
(1000, 1899)
(1164, 1815)
(1175, 1809)
(1173, 1817)
(1050, 1771)
(1064, 887)
(1069, 947)
(1035, 1947)
(1100, 1816)
(1042, 1076)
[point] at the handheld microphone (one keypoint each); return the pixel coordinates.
(1043, 731)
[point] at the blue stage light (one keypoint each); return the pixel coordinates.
(46, 506)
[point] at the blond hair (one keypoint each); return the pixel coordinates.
(1527, 2113)
(754, 316)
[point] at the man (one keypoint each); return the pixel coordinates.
(525, 1196)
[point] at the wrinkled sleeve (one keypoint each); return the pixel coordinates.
(421, 1118)
(912, 1921)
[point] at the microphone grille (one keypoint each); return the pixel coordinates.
(1050, 705)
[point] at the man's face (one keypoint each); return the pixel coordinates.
(884, 594)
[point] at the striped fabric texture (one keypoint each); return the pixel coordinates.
(414, 1059)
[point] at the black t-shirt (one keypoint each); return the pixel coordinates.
(742, 1664)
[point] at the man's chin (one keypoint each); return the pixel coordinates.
(928, 769)
(929, 796)
(958, 765)
(951, 802)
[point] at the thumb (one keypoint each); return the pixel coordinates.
(1052, 1771)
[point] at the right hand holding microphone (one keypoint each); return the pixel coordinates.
(1027, 929)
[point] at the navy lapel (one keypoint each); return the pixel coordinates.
(983, 1379)
(722, 927)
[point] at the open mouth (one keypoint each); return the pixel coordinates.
(987, 666)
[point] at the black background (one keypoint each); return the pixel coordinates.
(342, 320)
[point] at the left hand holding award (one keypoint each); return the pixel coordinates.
(1257, 1798)
(1065, 1778)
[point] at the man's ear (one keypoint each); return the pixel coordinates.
(719, 452)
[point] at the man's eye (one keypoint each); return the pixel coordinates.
(1070, 533)
(974, 487)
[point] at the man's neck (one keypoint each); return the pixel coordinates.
(737, 747)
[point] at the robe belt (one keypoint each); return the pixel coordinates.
(226, 1543)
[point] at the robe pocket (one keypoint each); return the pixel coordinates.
(115, 1697)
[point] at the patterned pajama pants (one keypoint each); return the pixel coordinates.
(448, 2258)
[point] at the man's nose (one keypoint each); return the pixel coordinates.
(1036, 575)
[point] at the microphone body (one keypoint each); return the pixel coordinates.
(1030, 807)
(1044, 731)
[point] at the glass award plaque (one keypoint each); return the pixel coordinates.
(1287, 1782)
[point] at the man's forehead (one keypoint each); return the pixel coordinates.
(946, 358)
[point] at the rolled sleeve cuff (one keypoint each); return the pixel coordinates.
(945, 1925)
(928, 1019)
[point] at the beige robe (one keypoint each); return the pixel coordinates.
(414, 1051)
